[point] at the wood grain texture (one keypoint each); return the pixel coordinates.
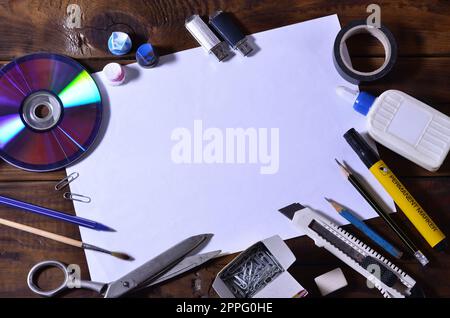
(20, 251)
(420, 28)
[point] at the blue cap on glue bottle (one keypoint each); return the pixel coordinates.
(403, 124)
(362, 101)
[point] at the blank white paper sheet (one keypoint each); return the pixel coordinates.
(197, 146)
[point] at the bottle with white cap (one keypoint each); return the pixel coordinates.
(405, 125)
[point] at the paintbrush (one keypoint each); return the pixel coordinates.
(63, 239)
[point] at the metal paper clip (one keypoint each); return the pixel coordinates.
(65, 182)
(251, 271)
(76, 197)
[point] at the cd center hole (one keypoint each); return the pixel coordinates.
(42, 111)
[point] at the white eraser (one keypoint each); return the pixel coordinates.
(331, 281)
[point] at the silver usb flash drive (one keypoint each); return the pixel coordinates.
(206, 37)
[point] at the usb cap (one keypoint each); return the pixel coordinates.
(206, 37)
(224, 24)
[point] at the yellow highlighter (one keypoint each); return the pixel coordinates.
(405, 201)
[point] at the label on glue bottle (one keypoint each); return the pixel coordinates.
(405, 125)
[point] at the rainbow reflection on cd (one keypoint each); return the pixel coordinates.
(50, 112)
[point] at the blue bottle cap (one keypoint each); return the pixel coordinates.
(119, 43)
(146, 55)
(363, 103)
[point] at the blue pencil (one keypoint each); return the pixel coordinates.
(363, 227)
(54, 214)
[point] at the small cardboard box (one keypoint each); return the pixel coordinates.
(260, 272)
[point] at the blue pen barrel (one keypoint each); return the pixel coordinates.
(374, 236)
(53, 214)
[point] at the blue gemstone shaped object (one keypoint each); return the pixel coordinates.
(146, 55)
(119, 43)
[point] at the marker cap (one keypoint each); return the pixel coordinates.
(368, 156)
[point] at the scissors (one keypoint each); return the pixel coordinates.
(167, 265)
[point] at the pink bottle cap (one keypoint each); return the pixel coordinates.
(114, 74)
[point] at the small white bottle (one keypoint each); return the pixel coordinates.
(405, 125)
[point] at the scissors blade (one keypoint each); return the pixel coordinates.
(185, 265)
(156, 266)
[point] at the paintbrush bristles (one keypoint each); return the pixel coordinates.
(102, 250)
(335, 205)
(123, 256)
(344, 169)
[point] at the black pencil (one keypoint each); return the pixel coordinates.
(383, 214)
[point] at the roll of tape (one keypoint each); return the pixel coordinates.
(342, 59)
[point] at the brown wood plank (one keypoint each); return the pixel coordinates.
(20, 251)
(29, 26)
(12, 174)
(423, 78)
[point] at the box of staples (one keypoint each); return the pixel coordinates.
(260, 272)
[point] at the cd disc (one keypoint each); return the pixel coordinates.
(50, 112)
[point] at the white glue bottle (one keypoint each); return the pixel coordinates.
(405, 125)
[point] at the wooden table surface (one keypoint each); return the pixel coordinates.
(421, 29)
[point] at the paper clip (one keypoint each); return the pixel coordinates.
(76, 197)
(65, 182)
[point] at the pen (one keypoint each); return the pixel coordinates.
(363, 227)
(406, 202)
(54, 214)
(383, 214)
